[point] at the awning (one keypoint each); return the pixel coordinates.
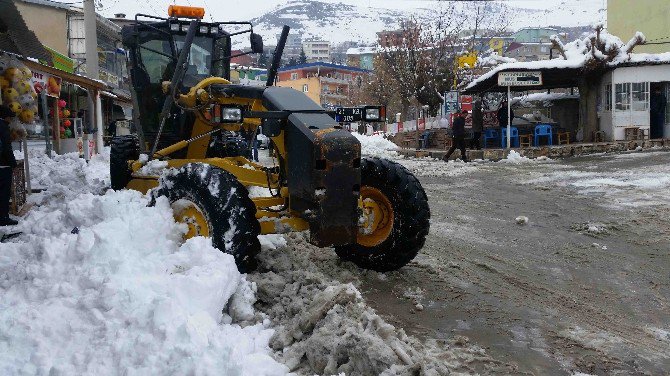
(76, 79)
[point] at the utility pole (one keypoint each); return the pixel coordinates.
(91, 40)
(92, 69)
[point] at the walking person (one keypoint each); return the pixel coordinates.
(477, 124)
(458, 140)
(7, 164)
(503, 116)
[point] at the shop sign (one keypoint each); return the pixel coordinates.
(42, 81)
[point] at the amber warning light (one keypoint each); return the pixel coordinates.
(186, 12)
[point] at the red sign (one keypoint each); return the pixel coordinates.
(399, 126)
(466, 102)
(422, 124)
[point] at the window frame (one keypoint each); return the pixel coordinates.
(619, 95)
(636, 103)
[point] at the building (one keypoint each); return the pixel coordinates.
(529, 51)
(292, 48)
(534, 34)
(316, 50)
(246, 75)
(627, 92)
(651, 17)
(361, 57)
(327, 84)
(60, 27)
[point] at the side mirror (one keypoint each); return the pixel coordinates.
(256, 43)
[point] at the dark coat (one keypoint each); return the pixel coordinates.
(502, 116)
(459, 126)
(477, 116)
(6, 152)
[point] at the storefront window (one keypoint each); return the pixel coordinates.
(622, 93)
(640, 96)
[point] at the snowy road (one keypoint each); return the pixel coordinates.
(583, 287)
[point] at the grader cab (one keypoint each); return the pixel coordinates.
(374, 212)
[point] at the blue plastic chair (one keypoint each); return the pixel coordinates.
(543, 130)
(514, 137)
(490, 134)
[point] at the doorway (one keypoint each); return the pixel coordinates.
(659, 110)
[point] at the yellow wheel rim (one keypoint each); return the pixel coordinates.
(187, 212)
(376, 220)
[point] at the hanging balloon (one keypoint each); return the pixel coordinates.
(62, 129)
(60, 114)
(27, 116)
(26, 100)
(67, 123)
(13, 74)
(66, 112)
(68, 133)
(10, 94)
(23, 87)
(4, 83)
(27, 73)
(62, 103)
(15, 107)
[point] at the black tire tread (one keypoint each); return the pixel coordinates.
(231, 200)
(122, 149)
(411, 211)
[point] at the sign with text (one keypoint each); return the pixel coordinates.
(348, 114)
(520, 78)
(42, 80)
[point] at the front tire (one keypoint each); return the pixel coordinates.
(122, 149)
(404, 205)
(221, 209)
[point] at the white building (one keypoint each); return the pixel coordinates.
(626, 95)
(316, 50)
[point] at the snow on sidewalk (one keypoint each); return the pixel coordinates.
(101, 284)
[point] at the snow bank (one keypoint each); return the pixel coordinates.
(101, 284)
(325, 327)
(376, 146)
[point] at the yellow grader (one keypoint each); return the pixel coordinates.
(372, 211)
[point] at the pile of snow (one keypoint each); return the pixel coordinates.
(325, 327)
(102, 284)
(515, 158)
(376, 146)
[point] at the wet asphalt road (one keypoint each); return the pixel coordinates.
(584, 286)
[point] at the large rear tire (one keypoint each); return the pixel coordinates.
(214, 203)
(123, 149)
(403, 218)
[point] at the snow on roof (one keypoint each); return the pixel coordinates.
(542, 97)
(578, 52)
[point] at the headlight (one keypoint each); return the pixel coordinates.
(174, 27)
(184, 27)
(371, 114)
(231, 115)
(204, 29)
(214, 29)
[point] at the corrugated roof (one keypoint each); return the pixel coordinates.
(16, 37)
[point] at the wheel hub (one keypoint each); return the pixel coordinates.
(376, 217)
(187, 212)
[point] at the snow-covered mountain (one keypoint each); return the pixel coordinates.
(334, 22)
(341, 21)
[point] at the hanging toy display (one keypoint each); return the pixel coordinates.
(17, 90)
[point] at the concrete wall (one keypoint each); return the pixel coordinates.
(48, 23)
(651, 17)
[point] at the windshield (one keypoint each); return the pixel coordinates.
(160, 68)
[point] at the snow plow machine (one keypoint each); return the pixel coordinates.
(372, 211)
